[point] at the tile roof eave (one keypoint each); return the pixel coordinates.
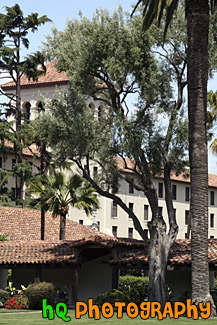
(36, 85)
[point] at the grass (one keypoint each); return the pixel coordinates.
(35, 318)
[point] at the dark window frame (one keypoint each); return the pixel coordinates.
(160, 190)
(174, 191)
(114, 209)
(212, 198)
(186, 217)
(115, 231)
(212, 220)
(130, 232)
(187, 194)
(145, 212)
(131, 186)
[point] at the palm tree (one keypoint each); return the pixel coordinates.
(55, 193)
(197, 14)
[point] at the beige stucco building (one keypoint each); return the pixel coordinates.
(112, 219)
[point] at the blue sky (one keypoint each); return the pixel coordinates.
(59, 11)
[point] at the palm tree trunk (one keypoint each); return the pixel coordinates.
(197, 63)
(62, 226)
(43, 167)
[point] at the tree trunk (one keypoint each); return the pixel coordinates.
(43, 167)
(158, 255)
(18, 152)
(62, 226)
(197, 64)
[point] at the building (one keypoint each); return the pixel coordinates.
(88, 262)
(111, 218)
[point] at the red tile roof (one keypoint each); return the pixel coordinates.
(180, 254)
(25, 224)
(26, 151)
(36, 252)
(177, 178)
(53, 252)
(25, 247)
(51, 78)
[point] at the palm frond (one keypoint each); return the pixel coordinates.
(153, 11)
(213, 146)
(171, 8)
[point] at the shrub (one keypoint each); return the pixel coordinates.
(4, 296)
(37, 291)
(135, 287)
(17, 302)
(111, 297)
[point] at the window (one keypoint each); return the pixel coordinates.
(95, 172)
(187, 194)
(0, 162)
(186, 235)
(81, 222)
(13, 162)
(115, 231)
(186, 217)
(160, 190)
(114, 210)
(131, 186)
(41, 106)
(174, 192)
(131, 208)
(212, 237)
(98, 223)
(27, 112)
(145, 212)
(212, 197)
(100, 112)
(160, 211)
(211, 220)
(13, 194)
(130, 232)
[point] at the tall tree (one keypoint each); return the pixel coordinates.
(197, 14)
(14, 30)
(53, 192)
(110, 58)
(38, 136)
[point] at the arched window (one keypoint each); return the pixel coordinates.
(27, 112)
(92, 106)
(40, 106)
(100, 111)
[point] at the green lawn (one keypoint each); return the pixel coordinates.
(35, 318)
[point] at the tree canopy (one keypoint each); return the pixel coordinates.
(107, 59)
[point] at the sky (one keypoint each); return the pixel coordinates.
(59, 11)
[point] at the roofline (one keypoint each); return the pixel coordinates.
(172, 180)
(37, 85)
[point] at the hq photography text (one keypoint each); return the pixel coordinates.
(146, 310)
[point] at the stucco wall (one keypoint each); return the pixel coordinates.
(94, 278)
